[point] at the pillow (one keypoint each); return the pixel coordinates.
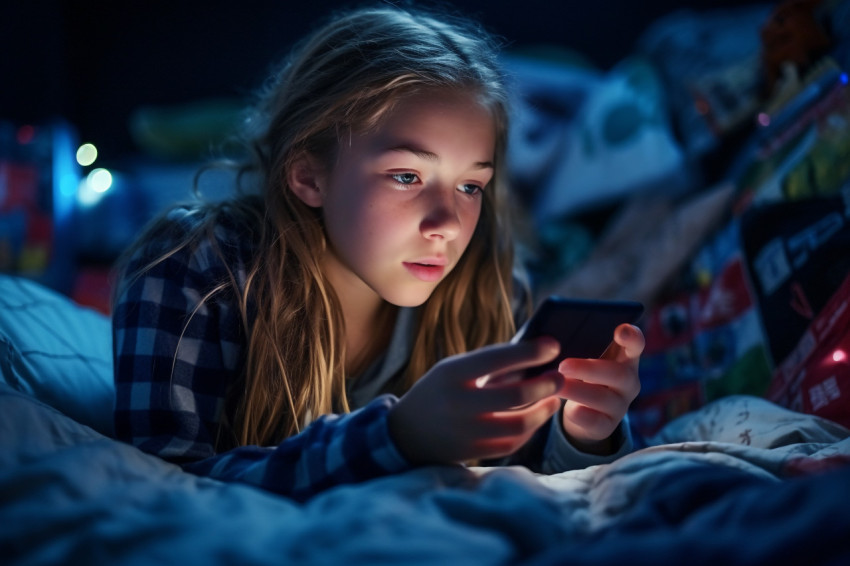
(56, 351)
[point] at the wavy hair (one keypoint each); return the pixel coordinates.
(341, 80)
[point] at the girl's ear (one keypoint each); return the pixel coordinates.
(305, 178)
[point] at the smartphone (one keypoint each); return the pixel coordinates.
(584, 328)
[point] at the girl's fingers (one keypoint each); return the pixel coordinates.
(597, 397)
(508, 395)
(608, 373)
(502, 433)
(628, 344)
(515, 422)
(500, 359)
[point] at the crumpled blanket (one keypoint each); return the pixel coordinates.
(741, 479)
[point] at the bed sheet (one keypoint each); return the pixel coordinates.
(741, 479)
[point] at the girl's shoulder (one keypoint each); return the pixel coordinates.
(235, 220)
(202, 237)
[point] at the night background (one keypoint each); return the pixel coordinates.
(92, 63)
(669, 90)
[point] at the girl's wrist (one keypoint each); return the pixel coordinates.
(603, 447)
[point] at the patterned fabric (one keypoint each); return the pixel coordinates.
(165, 404)
(333, 450)
(172, 406)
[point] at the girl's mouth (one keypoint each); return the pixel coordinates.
(425, 272)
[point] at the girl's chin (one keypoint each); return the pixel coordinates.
(411, 299)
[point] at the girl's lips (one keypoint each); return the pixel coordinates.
(425, 272)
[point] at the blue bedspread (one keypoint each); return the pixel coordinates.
(702, 493)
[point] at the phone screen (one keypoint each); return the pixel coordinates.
(584, 328)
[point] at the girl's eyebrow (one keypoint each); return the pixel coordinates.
(431, 156)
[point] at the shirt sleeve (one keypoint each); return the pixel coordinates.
(333, 450)
(559, 455)
(175, 354)
(175, 357)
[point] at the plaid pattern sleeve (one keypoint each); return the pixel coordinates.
(176, 355)
(333, 450)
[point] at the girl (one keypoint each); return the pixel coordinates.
(348, 319)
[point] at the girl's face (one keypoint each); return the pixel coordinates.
(402, 202)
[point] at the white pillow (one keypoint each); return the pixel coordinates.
(56, 351)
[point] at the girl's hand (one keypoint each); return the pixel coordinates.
(599, 392)
(473, 406)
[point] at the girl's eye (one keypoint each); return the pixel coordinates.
(405, 178)
(470, 189)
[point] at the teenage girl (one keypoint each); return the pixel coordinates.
(346, 317)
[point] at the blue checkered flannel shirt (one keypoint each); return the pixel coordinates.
(172, 406)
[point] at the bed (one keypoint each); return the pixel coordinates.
(740, 481)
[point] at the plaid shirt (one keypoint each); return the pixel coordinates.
(172, 405)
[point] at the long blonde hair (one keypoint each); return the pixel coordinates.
(342, 80)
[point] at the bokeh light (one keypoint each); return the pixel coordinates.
(100, 180)
(86, 154)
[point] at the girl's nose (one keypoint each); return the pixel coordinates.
(441, 220)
